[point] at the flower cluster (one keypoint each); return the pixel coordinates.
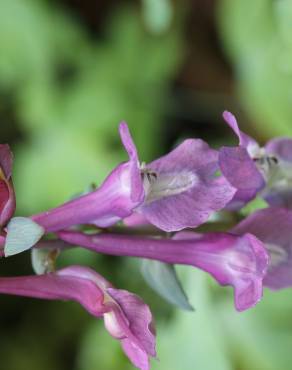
(178, 191)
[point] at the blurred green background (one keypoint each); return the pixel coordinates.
(70, 70)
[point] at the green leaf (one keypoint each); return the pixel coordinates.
(163, 279)
(254, 205)
(22, 234)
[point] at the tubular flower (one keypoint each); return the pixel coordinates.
(176, 191)
(273, 227)
(115, 199)
(239, 261)
(126, 317)
(7, 196)
(253, 170)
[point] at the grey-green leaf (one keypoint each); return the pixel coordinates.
(163, 279)
(22, 234)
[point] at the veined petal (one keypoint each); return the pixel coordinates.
(239, 169)
(182, 189)
(273, 227)
(139, 317)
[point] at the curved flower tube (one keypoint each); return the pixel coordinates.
(126, 317)
(255, 170)
(273, 226)
(7, 195)
(115, 199)
(239, 261)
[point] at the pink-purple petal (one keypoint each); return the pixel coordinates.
(7, 195)
(239, 169)
(6, 160)
(273, 227)
(244, 140)
(281, 147)
(194, 192)
(139, 317)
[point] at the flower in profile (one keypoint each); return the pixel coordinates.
(126, 317)
(238, 261)
(255, 170)
(273, 227)
(7, 196)
(181, 189)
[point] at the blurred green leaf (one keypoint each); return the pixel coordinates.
(256, 37)
(163, 279)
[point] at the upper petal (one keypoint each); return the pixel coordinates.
(137, 191)
(281, 147)
(244, 140)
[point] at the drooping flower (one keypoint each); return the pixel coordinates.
(126, 317)
(273, 226)
(239, 261)
(255, 170)
(7, 196)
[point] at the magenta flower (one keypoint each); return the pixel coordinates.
(273, 226)
(239, 261)
(115, 199)
(7, 196)
(126, 317)
(173, 192)
(255, 170)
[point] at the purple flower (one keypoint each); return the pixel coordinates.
(7, 196)
(273, 226)
(239, 261)
(115, 199)
(255, 170)
(126, 317)
(176, 191)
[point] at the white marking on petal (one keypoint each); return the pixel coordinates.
(160, 185)
(278, 255)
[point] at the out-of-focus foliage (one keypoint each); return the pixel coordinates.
(71, 92)
(158, 15)
(257, 37)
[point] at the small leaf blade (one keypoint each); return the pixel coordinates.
(162, 278)
(22, 234)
